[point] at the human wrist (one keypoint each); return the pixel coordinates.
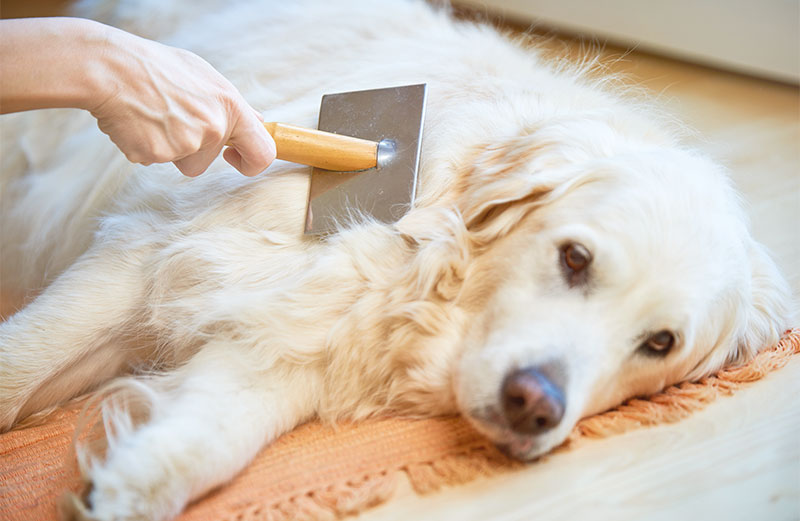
(44, 60)
(98, 81)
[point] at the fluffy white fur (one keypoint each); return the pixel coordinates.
(239, 327)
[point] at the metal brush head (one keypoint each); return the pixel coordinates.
(393, 117)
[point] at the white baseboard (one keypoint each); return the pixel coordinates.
(759, 37)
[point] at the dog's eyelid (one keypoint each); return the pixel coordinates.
(576, 260)
(658, 343)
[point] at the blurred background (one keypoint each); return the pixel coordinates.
(22, 8)
(759, 37)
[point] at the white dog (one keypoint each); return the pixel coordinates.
(565, 253)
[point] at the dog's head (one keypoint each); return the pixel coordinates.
(602, 270)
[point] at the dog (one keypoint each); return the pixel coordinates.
(565, 252)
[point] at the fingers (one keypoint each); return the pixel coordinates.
(252, 148)
(251, 151)
(233, 158)
(195, 164)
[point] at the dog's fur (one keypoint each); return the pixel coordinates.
(239, 327)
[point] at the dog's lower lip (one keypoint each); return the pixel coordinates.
(518, 448)
(505, 448)
(513, 445)
(495, 418)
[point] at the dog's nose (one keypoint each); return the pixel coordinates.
(531, 402)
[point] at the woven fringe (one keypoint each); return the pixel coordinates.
(331, 503)
(455, 469)
(670, 405)
(352, 498)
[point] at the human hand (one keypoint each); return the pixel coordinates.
(161, 104)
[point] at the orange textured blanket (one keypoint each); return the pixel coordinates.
(319, 471)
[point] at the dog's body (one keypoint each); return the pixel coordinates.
(559, 237)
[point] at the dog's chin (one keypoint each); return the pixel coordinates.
(521, 447)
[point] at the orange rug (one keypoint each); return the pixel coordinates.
(320, 472)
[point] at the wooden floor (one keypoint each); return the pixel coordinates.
(740, 457)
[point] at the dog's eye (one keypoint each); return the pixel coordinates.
(575, 259)
(658, 344)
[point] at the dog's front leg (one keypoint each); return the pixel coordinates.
(67, 340)
(208, 421)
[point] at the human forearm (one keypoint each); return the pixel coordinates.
(157, 103)
(52, 62)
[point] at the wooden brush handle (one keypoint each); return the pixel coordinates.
(323, 149)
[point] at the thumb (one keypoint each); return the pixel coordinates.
(252, 148)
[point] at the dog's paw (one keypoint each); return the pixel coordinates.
(72, 508)
(6, 419)
(120, 493)
(9, 409)
(114, 505)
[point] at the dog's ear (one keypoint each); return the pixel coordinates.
(755, 318)
(769, 312)
(498, 184)
(505, 180)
